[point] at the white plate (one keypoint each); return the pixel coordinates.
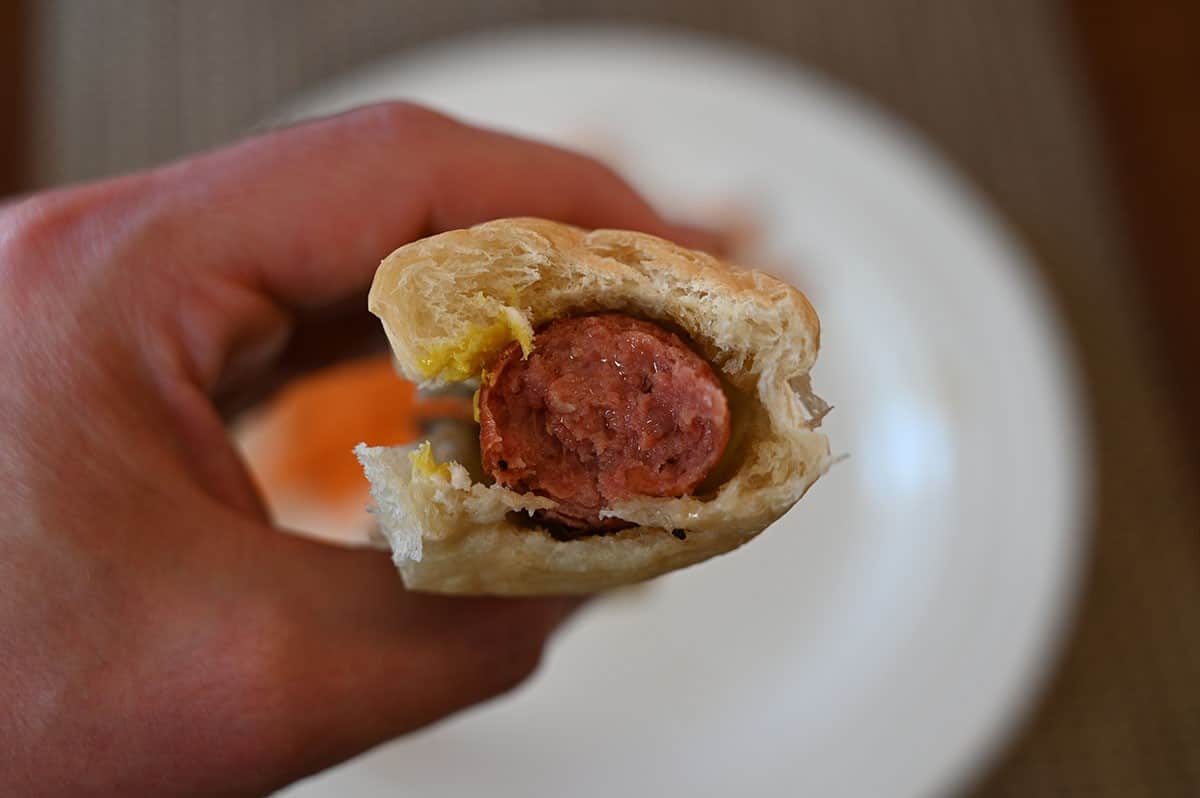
(885, 635)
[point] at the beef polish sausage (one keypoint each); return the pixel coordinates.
(605, 408)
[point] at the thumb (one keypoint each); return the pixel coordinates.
(360, 660)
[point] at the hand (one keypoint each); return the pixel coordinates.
(157, 634)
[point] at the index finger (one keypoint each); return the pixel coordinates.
(308, 212)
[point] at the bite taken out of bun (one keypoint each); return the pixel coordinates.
(453, 303)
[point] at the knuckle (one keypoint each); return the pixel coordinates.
(251, 673)
(266, 640)
(39, 234)
(509, 665)
(512, 675)
(31, 236)
(610, 188)
(601, 170)
(402, 119)
(34, 225)
(599, 173)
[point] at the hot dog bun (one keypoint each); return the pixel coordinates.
(452, 302)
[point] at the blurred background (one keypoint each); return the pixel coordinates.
(1079, 121)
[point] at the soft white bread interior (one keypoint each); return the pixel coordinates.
(451, 302)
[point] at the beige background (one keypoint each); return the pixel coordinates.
(996, 85)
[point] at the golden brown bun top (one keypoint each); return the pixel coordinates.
(451, 302)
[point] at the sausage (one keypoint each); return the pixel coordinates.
(605, 408)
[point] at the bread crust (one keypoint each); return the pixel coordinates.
(451, 302)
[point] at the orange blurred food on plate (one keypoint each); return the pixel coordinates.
(299, 445)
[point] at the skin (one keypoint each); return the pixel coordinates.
(157, 634)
